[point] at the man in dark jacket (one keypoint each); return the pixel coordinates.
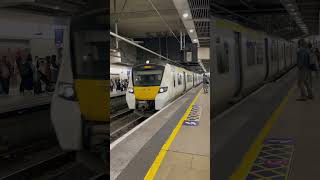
(304, 74)
(205, 82)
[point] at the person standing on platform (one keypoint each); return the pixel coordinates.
(26, 73)
(317, 53)
(5, 71)
(314, 66)
(205, 82)
(304, 71)
(54, 67)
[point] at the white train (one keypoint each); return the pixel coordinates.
(243, 59)
(153, 86)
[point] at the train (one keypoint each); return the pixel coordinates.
(80, 106)
(243, 60)
(152, 86)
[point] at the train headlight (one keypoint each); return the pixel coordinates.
(66, 91)
(130, 90)
(163, 89)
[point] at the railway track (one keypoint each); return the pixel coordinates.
(60, 165)
(123, 122)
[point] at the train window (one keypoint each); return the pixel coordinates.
(251, 50)
(174, 80)
(259, 53)
(281, 53)
(226, 56)
(223, 58)
(179, 79)
(189, 78)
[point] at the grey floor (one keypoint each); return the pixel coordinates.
(300, 121)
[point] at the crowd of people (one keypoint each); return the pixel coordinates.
(118, 85)
(39, 75)
(308, 59)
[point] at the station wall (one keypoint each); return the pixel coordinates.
(121, 72)
(30, 33)
(37, 30)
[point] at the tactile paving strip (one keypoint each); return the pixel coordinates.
(273, 161)
(193, 118)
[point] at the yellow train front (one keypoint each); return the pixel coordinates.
(153, 86)
(79, 108)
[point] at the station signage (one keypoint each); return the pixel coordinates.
(58, 37)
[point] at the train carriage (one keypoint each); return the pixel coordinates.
(153, 86)
(244, 59)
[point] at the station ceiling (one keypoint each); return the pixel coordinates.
(138, 19)
(270, 15)
(51, 7)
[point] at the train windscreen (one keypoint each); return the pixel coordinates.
(90, 46)
(90, 57)
(147, 77)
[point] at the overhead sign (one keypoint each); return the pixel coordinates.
(58, 37)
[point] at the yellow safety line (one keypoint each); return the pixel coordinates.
(251, 155)
(157, 162)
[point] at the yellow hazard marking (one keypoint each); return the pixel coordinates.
(250, 156)
(157, 162)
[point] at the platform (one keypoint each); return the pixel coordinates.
(10, 103)
(188, 157)
(298, 126)
(237, 129)
(117, 93)
(134, 154)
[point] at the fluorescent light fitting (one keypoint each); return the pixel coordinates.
(185, 15)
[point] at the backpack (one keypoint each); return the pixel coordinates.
(313, 63)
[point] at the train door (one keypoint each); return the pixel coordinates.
(238, 62)
(285, 55)
(193, 79)
(277, 56)
(184, 81)
(266, 54)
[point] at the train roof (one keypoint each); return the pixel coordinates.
(244, 29)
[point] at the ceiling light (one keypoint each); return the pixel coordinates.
(191, 30)
(185, 15)
(195, 40)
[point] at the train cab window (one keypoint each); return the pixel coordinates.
(150, 77)
(251, 51)
(223, 57)
(90, 55)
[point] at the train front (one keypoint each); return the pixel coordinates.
(79, 108)
(145, 86)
